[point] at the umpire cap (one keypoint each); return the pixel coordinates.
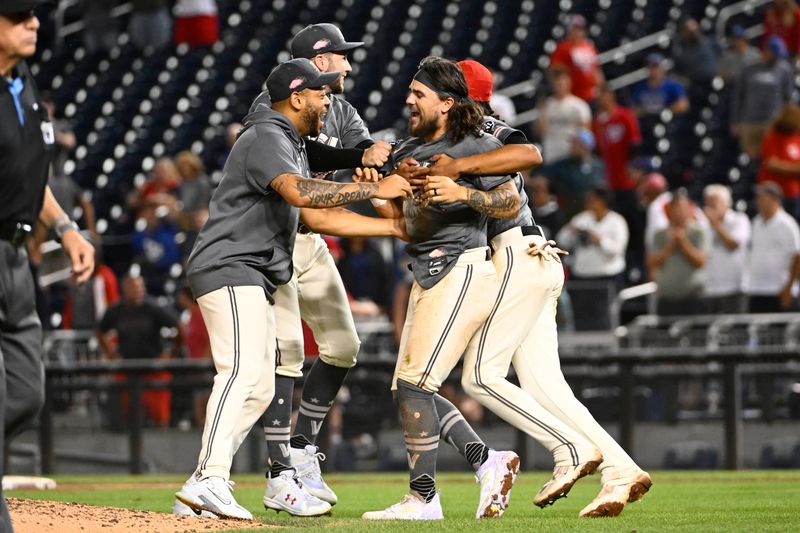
(319, 39)
(18, 6)
(295, 75)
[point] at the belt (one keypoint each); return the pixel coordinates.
(532, 230)
(15, 233)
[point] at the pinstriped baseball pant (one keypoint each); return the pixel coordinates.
(241, 328)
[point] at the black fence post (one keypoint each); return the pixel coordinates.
(46, 429)
(136, 410)
(627, 409)
(733, 419)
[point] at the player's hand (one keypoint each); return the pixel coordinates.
(400, 230)
(367, 175)
(412, 171)
(376, 155)
(392, 187)
(444, 165)
(80, 253)
(443, 189)
(547, 251)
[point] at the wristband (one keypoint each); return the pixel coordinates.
(377, 202)
(64, 227)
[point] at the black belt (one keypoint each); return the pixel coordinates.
(15, 233)
(532, 230)
(305, 230)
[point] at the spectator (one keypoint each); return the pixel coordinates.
(695, 57)
(501, 104)
(582, 171)
(86, 304)
(654, 197)
(676, 261)
(618, 137)
(759, 95)
(100, 29)
(560, 118)
(154, 247)
(545, 208)
(364, 272)
(739, 55)
(578, 56)
(138, 324)
(658, 92)
(194, 192)
(198, 346)
(150, 24)
(782, 19)
(773, 260)
(597, 238)
(780, 157)
(196, 22)
(160, 189)
(730, 234)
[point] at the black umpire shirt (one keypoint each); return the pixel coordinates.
(25, 150)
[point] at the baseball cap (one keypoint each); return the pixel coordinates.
(295, 75)
(771, 188)
(776, 45)
(738, 31)
(479, 80)
(18, 6)
(586, 138)
(319, 39)
(654, 58)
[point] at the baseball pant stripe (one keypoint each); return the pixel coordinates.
(447, 328)
(277, 354)
(229, 384)
(484, 334)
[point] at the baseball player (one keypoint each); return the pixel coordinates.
(315, 293)
(242, 254)
(533, 343)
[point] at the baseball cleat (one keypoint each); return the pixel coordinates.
(411, 507)
(564, 477)
(212, 494)
(496, 476)
(286, 493)
(181, 509)
(305, 461)
(612, 499)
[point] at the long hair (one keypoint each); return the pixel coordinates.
(465, 117)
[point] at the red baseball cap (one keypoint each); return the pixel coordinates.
(479, 80)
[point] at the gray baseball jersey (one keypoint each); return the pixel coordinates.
(506, 134)
(250, 232)
(441, 232)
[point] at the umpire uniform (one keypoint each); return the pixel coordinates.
(26, 144)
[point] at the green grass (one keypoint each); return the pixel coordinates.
(679, 501)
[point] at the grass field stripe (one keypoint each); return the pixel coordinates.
(229, 384)
(484, 334)
(448, 326)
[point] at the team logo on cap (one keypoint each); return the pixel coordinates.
(322, 43)
(297, 82)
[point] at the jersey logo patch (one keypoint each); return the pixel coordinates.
(435, 266)
(48, 134)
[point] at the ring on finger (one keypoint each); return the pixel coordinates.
(435, 192)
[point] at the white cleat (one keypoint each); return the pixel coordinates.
(612, 498)
(496, 476)
(212, 494)
(181, 509)
(564, 477)
(286, 493)
(409, 508)
(306, 463)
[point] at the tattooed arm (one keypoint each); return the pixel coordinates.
(312, 193)
(500, 202)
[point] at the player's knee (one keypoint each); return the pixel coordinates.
(345, 353)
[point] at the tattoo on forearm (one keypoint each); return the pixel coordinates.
(496, 202)
(324, 194)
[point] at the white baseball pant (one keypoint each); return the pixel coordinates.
(526, 285)
(241, 328)
(317, 294)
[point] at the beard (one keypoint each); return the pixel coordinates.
(313, 120)
(337, 87)
(425, 128)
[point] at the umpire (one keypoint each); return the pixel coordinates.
(26, 147)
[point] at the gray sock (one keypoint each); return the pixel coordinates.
(277, 422)
(421, 430)
(319, 391)
(458, 432)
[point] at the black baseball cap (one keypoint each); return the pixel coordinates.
(319, 39)
(17, 6)
(295, 75)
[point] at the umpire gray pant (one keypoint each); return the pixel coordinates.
(21, 369)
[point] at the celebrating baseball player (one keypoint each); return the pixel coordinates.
(243, 253)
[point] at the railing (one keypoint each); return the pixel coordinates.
(734, 9)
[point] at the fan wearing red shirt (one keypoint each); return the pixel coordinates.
(617, 132)
(578, 56)
(780, 156)
(783, 19)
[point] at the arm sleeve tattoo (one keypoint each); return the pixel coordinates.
(499, 202)
(328, 194)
